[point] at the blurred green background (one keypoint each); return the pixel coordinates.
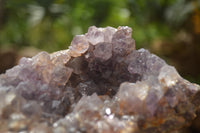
(168, 28)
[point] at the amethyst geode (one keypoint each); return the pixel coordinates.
(101, 84)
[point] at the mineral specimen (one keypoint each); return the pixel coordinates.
(101, 84)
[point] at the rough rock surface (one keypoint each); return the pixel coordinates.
(101, 84)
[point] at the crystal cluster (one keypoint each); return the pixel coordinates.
(101, 84)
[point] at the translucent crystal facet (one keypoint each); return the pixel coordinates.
(103, 51)
(79, 45)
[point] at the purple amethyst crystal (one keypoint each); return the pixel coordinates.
(123, 42)
(101, 84)
(103, 51)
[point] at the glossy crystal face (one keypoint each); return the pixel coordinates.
(101, 84)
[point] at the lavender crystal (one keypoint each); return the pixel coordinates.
(101, 84)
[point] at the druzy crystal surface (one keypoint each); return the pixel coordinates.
(101, 84)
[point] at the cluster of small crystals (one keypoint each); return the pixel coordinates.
(101, 84)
